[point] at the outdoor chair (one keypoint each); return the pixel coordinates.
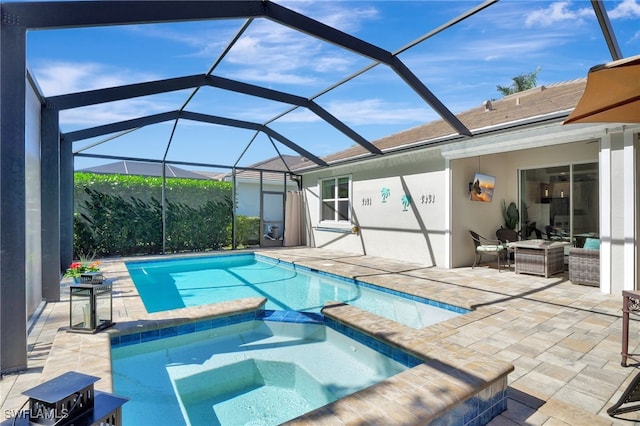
(554, 234)
(584, 263)
(631, 394)
(538, 233)
(505, 236)
(551, 234)
(485, 246)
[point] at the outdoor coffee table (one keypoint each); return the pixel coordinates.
(539, 257)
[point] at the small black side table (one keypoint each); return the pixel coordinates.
(630, 305)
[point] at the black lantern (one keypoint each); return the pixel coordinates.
(91, 307)
(70, 399)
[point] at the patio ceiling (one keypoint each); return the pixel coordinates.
(56, 15)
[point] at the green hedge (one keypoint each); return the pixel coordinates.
(122, 214)
(247, 230)
(192, 192)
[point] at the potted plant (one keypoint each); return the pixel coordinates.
(83, 266)
(510, 214)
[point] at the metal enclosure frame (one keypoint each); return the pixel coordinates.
(57, 150)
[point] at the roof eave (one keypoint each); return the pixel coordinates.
(442, 140)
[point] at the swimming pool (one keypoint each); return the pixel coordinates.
(259, 372)
(178, 283)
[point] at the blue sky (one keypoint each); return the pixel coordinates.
(461, 66)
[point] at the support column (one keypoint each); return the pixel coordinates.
(13, 308)
(234, 209)
(629, 211)
(50, 195)
(66, 204)
(605, 213)
(447, 214)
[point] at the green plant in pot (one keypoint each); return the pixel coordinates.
(510, 214)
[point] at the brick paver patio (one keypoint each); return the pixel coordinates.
(564, 340)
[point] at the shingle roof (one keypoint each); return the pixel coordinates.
(276, 163)
(530, 104)
(273, 164)
(143, 169)
(536, 102)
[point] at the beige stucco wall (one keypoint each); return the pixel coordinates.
(486, 218)
(481, 217)
(420, 233)
(415, 234)
(437, 233)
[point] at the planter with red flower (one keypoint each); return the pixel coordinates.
(85, 271)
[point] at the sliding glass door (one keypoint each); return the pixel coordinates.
(585, 207)
(560, 203)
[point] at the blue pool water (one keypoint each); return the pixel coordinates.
(252, 372)
(171, 284)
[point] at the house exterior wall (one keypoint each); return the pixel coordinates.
(248, 195)
(614, 146)
(637, 208)
(417, 233)
(617, 213)
(624, 190)
(481, 217)
(437, 233)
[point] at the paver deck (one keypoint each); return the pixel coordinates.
(563, 339)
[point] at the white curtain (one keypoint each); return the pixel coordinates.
(293, 223)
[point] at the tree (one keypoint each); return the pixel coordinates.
(520, 83)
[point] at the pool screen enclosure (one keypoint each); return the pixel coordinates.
(56, 165)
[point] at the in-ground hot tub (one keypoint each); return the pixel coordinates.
(257, 372)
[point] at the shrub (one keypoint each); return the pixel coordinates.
(121, 215)
(247, 230)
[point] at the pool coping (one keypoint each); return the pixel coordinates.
(449, 376)
(453, 373)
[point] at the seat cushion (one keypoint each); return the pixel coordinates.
(592, 244)
(490, 248)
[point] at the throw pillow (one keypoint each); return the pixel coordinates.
(592, 244)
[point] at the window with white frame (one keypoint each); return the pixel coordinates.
(336, 199)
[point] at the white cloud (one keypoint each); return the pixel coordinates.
(348, 19)
(207, 42)
(281, 48)
(274, 54)
(358, 112)
(112, 112)
(482, 53)
(265, 48)
(625, 9)
(332, 63)
(370, 111)
(279, 54)
(55, 78)
(523, 46)
(557, 12)
(273, 76)
(299, 115)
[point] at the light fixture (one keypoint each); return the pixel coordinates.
(70, 399)
(90, 307)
